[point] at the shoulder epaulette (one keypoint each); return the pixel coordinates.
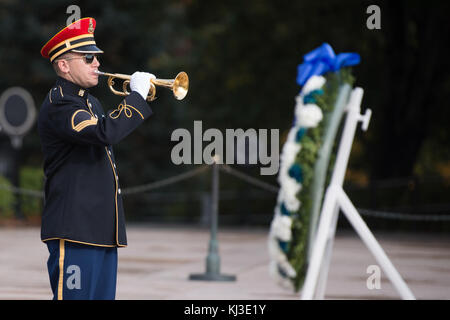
(55, 95)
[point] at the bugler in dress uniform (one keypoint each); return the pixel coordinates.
(82, 193)
(83, 204)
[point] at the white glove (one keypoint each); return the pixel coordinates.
(140, 82)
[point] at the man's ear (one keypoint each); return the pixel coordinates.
(63, 66)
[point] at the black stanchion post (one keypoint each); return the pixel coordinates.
(213, 258)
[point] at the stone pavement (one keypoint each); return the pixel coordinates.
(159, 259)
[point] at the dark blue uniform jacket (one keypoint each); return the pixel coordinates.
(82, 191)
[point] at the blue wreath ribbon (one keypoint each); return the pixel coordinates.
(322, 60)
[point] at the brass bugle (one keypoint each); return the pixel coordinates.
(179, 85)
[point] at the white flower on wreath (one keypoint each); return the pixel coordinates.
(313, 83)
(308, 115)
(288, 154)
(291, 202)
(289, 187)
(282, 227)
(289, 194)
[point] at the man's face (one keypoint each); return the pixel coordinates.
(79, 71)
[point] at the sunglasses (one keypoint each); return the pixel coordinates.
(88, 58)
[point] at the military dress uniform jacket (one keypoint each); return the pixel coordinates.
(82, 193)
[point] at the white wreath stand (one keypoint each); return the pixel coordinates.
(335, 199)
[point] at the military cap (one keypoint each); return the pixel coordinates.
(76, 37)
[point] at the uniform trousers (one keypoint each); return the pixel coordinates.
(81, 272)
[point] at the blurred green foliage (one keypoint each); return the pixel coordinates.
(31, 178)
(6, 199)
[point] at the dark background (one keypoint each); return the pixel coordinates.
(242, 57)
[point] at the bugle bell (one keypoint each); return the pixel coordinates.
(179, 85)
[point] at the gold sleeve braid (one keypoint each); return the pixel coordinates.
(83, 124)
(126, 108)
